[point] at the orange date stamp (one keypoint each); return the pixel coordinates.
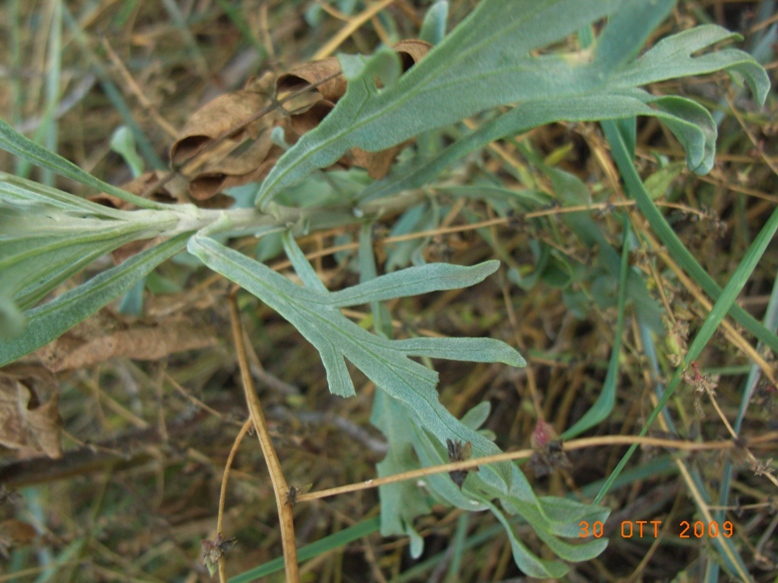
(650, 528)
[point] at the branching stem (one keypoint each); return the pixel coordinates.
(280, 487)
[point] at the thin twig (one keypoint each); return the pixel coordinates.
(223, 494)
(283, 264)
(280, 487)
(350, 28)
(520, 454)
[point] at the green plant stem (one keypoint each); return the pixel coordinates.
(276, 217)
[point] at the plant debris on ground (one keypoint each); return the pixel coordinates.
(116, 435)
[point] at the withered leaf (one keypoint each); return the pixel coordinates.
(294, 492)
(411, 51)
(164, 188)
(18, 532)
(549, 454)
(459, 452)
(377, 164)
(246, 166)
(26, 419)
(227, 114)
(238, 146)
(325, 75)
(224, 146)
(306, 121)
(140, 343)
(215, 550)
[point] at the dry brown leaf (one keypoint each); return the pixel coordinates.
(27, 418)
(217, 201)
(244, 153)
(411, 51)
(18, 532)
(377, 164)
(227, 114)
(318, 73)
(233, 170)
(308, 120)
(236, 150)
(140, 343)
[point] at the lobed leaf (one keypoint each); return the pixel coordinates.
(483, 63)
(525, 116)
(413, 281)
(672, 57)
(319, 320)
(530, 564)
(486, 61)
(401, 502)
(464, 349)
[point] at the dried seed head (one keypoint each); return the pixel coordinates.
(458, 452)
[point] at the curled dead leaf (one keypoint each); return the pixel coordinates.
(411, 51)
(309, 119)
(18, 532)
(324, 76)
(28, 417)
(231, 116)
(226, 144)
(249, 166)
(377, 164)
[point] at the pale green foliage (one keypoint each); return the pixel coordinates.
(487, 61)
(490, 60)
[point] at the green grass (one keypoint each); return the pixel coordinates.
(599, 289)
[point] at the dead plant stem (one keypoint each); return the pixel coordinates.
(280, 487)
(520, 454)
(223, 494)
(353, 24)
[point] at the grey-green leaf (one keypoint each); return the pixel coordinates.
(673, 57)
(483, 63)
(413, 281)
(433, 29)
(464, 349)
(486, 61)
(336, 337)
(15, 143)
(47, 322)
(47, 236)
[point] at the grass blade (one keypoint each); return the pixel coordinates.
(725, 301)
(325, 545)
(664, 231)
